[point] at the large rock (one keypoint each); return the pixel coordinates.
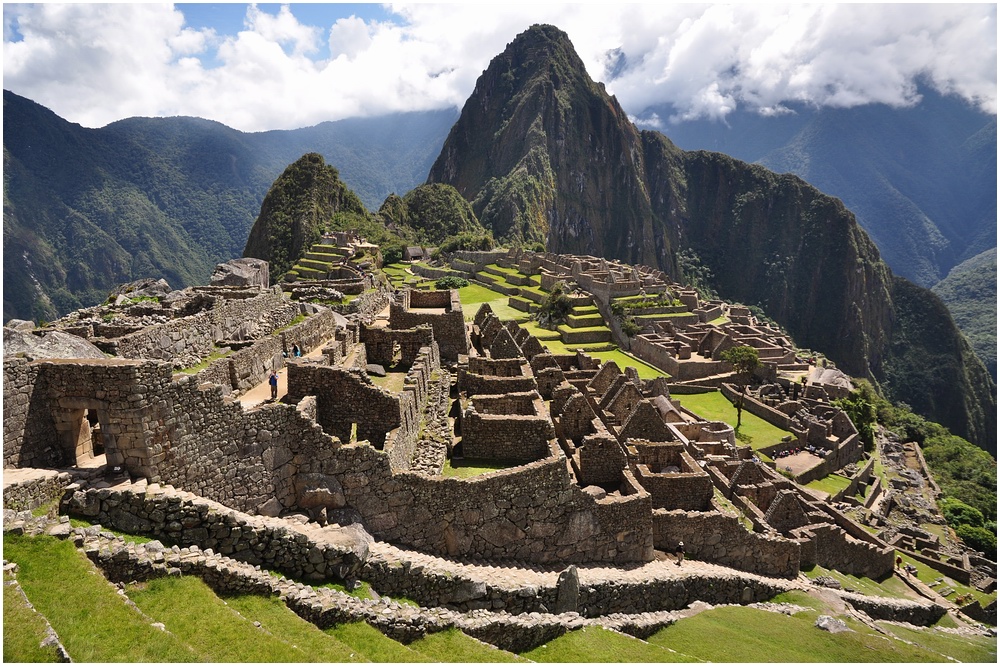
(245, 272)
(567, 591)
(50, 344)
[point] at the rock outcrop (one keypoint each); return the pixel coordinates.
(543, 152)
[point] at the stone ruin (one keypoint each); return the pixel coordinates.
(595, 466)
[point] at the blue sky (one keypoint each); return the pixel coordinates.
(273, 66)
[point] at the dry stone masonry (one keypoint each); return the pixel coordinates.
(598, 474)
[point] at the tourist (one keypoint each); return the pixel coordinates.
(273, 381)
(899, 562)
(296, 352)
(680, 553)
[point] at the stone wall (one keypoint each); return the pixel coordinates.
(663, 358)
(475, 384)
(833, 548)
(380, 344)
(329, 554)
(29, 436)
(346, 400)
(514, 427)
(715, 537)
(448, 325)
(368, 304)
(186, 340)
(34, 490)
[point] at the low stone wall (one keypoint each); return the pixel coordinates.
(250, 366)
(311, 332)
(310, 553)
(922, 614)
(957, 573)
(475, 384)
(769, 414)
(36, 489)
(515, 437)
(715, 537)
(831, 547)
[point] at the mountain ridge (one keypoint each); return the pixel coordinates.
(766, 237)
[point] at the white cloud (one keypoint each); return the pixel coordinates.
(349, 37)
(96, 63)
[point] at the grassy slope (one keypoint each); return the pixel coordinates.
(189, 608)
(375, 646)
(276, 619)
(454, 646)
(745, 635)
(23, 631)
(91, 619)
(594, 644)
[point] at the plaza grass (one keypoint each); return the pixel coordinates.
(831, 484)
(92, 620)
(596, 644)
(744, 635)
(454, 646)
(23, 631)
(474, 296)
(715, 407)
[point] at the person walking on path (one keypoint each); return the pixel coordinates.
(273, 381)
(680, 553)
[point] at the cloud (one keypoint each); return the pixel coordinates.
(93, 64)
(715, 57)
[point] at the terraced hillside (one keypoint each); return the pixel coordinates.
(58, 605)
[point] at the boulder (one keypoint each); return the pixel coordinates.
(244, 272)
(49, 344)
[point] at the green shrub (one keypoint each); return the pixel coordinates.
(451, 282)
(977, 538)
(957, 512)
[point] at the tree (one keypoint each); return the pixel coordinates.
(744, 360)
(859, 406)
(554, 309)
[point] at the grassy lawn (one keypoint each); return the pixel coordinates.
(189, 608)
(463, 469)
(372, 644)
(454, 646)
(23, 631)
(595, 644)
(831, 483)
(543, 334)
(276, 618)
(92, 620)
(745, 635)
(474, 295)
(392, 382)
(715, 407)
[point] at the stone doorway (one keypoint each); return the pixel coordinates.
(85, 433)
